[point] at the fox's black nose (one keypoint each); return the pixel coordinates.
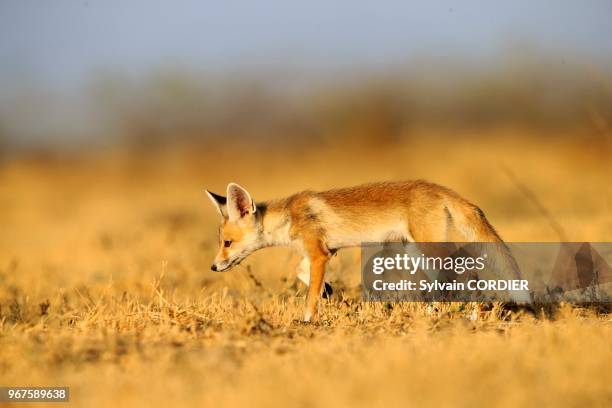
(214, 268)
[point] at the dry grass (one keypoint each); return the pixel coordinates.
(105, 284)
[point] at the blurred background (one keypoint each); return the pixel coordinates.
(146, 74)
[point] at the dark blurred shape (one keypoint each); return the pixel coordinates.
(579, 266)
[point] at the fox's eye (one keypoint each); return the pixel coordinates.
(227, 243)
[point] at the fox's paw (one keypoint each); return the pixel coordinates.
(307, 317)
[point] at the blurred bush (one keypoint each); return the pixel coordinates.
(185, 107)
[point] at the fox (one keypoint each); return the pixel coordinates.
(316, 224)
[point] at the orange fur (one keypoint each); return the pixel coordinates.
(318, 223)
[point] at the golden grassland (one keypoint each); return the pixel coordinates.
(105, 283)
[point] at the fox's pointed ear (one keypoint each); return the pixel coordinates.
(239, 202)
(220, 203)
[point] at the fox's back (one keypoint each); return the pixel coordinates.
(383, 194)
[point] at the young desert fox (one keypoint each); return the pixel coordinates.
(317, 224)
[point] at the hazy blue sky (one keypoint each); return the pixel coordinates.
(63, 42)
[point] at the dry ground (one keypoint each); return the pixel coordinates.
(105, 283)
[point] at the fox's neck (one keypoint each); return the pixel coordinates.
(275, 223)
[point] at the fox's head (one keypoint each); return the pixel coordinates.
(240, 232)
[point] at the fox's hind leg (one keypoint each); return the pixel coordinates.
(304, 276)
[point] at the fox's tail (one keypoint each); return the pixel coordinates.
(471, 222)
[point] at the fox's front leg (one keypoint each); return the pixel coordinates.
(318, 264)
(303, 274)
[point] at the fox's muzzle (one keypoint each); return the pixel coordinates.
(223, 266)
(219, 268)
